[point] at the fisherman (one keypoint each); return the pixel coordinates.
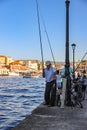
(50, 90)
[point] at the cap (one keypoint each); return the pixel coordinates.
(48, 63)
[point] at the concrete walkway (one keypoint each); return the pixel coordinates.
(55, 118)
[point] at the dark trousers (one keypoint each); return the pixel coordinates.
(50, 93)
(83, 87)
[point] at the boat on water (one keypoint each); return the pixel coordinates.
(27, 75)
(4, 74)
(13, 74)
(31, 75)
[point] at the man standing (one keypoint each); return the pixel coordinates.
(50, 90)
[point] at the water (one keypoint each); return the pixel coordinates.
(18, 97)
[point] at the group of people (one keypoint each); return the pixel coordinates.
(82, 79)
(53, 84)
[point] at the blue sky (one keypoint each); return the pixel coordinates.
(19, 36)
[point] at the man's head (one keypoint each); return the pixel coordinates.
(48, 63)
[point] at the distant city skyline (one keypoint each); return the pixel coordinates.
(19, 36)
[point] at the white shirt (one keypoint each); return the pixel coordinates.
(49, 74)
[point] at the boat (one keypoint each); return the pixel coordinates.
(13, 73)
(31, 75)
(4, 74)
(27, 75)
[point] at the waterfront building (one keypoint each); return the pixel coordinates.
(3, 71)
(33, 65)
(5, 60)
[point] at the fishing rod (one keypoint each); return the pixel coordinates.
(40, 34)
(49, 42)
(46, 36)
(81, 61)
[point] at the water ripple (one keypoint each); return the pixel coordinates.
(18, 97)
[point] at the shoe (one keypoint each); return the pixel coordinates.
(62, 107)
(51, 105)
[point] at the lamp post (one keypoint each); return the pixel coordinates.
(73, 48)
(67, 64)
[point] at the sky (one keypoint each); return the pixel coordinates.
(19, 33)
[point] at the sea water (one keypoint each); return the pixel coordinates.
(18, 98)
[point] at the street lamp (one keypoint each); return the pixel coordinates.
(67, 64)
(73, 48)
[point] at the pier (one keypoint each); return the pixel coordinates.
(55, 118)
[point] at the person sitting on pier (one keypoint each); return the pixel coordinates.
(50, 90)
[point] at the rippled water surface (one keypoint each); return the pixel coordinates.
(18, 97)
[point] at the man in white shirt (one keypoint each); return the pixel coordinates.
(50, 89)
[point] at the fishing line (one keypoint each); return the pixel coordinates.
(81, 61)
(48, 41)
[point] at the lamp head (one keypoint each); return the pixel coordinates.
(73, 46)
(67, 1)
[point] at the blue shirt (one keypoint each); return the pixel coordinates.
(49, 74)
(63, 71)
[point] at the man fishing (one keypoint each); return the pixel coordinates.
(50, 89)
